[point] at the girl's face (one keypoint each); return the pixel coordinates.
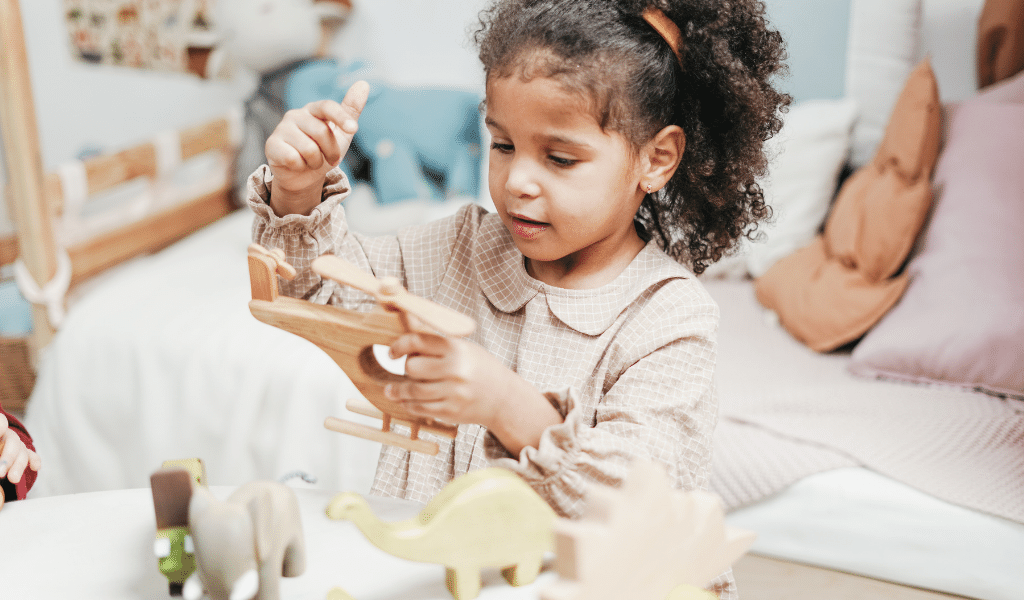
(566, 190)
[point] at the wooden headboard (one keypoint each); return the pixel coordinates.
(36, 199)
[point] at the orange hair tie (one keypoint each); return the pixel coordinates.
(667, 29)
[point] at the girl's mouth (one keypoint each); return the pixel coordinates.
(526, 228)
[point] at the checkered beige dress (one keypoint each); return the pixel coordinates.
(630, 365)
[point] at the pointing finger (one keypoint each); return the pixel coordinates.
(346, 114)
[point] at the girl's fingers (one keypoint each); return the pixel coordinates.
(323, 135)
(18, 467)
(412, 344)
(346, 114)
(10, 451)
(303, 141)
(416, 391)
(424, 367)
(34, 462)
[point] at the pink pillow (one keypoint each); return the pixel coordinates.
(961, 320)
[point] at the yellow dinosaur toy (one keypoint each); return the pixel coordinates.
(486, 518)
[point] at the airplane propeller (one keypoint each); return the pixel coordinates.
(390, 293)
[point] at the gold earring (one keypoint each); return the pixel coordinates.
(648, 188)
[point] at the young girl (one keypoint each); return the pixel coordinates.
(627, 136)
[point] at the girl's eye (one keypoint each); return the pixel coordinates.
(561, 161)
(503, 148)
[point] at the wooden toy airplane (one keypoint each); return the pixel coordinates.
(348, 337)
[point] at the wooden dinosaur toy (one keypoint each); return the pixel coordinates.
(348, 337)
(485, 518)
(644, 541)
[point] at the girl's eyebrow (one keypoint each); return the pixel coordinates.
(554, 139)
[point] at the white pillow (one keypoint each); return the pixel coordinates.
(882, 51)
(806, 158)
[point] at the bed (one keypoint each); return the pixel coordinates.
(158, 358)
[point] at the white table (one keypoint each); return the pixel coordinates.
(100, 546)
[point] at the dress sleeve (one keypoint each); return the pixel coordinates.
(663, 408)
(417, 255)
(324, 231)
(20, 490)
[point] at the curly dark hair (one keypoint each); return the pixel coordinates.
(721, 94)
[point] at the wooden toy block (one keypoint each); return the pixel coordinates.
(172, 491)
(486, 518)
(348, 337)
(645, 541)
(195, 467)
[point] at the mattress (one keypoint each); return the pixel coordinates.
(860, 522)
(160, 358)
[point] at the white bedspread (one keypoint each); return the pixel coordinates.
(788, 412)
(161, 359)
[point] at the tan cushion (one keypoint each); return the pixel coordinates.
(823, 303)
(881, 208)
(833, 291)
(1000, 41)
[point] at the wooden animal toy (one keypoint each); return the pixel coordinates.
(173, 547)
(485, 518)
(645, 541)
(245, 544)
(348, 338)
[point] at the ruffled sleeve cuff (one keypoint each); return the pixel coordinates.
(260, 186)
(556, 467)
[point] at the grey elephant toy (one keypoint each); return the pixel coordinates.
(243, 545)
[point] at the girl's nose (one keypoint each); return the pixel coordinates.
(521, 183)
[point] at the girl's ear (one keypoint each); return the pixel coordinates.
(661, 158)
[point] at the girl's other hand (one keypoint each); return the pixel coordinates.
(450, 379)
(309, 142)
(14, 455)
(456, 381)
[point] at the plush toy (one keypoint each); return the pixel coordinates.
(418, 143)
(411, 144)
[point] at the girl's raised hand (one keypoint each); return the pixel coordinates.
(309, 142)
(14, 455)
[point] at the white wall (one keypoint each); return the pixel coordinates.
(82, 106)
(949, 35)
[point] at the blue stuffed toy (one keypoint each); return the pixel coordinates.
(411, 143)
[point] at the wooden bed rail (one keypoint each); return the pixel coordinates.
(150, 233)
(108, 171)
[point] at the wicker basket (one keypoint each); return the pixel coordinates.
(16, 374)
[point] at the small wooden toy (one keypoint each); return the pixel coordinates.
(338, 593)
(645, 541)
(245, 544)
(348, 337)
(195, 467)
(486, 518)
(172, 490)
